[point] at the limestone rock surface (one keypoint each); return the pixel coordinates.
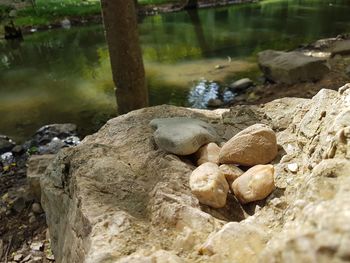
(209, 185)
(255, 145)
(255, 184)
(208, 153)
(182, 136)
(291, 67)
(118, 197)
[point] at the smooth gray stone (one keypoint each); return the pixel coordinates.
(182, 136)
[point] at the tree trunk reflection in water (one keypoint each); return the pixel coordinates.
(120, 23)
(198, 28)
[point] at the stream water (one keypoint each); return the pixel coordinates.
(64, 75)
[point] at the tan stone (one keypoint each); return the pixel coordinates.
(255, 145)
(208, 153)
(209, 185)
(255, 184)
(231, 172)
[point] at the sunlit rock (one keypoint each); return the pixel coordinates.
(255, 184)
(255, 145)
(208, 153)
(209, 185)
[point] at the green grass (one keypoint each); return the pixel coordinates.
(47, 12)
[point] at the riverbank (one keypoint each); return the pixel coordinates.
(49, 16)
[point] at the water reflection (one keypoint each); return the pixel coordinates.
(65, 75)
(202, 92)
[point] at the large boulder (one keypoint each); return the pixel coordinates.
(291, 67)
(341, 47)
(118, 198)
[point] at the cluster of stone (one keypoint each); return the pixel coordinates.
(218, 169)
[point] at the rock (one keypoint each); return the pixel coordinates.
(27, 258)
(182, 136)
(235, 242)
(215, 103)
(291, 67)
(36, 208)
(293, 167)
(52, 147)
(37, 165)
(208, 153)
(209, 185)
(32, 219)
(48, 132)
(37, 246)
(19, 204)
(17, 150)
(18, 257)
(66, 24)
(5, 144)
(255, 184)
(341, 47)
(118, 197)
(231, 172)
(255, 145)
(241, 84)
(347, 70)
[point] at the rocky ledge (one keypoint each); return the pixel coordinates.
(118, 197)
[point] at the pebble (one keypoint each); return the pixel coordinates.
(36, 208)
(255, 145)
(32, 220)
(209, 185)
(255, 184)
(18, 257)
(231, 172)
(293, 167)
(208, 153)
(37, 246)
(241, 84)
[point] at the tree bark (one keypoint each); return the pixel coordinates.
(119, 17)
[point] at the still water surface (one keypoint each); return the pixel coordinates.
(64, 75)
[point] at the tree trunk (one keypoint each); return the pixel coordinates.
(191, 4)
(120, 23)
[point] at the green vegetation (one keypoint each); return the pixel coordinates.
(49, 11)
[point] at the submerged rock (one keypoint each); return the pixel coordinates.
(255, 145)
(255, 184)
(182, 136)
(241, 84)
(291, 67)
(209, 185)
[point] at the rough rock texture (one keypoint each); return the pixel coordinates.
(37, 165)
(5, 144)
(255, 184)
(208, 153)
(182, 136)
(231, 172)
(117, 197)
(341, 48)
(291, 67)
(255, 145)
(209, 185)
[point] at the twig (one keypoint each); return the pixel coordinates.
(8, 249)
